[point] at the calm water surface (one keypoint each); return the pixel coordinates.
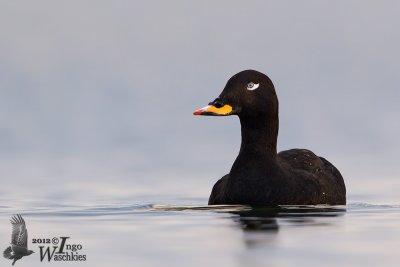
(126, 216)
(187, 233)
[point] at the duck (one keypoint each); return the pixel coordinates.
(260, 176)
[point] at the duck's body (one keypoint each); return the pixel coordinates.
(299, 177)
(260, 175)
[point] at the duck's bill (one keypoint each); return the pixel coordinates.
(211, 110)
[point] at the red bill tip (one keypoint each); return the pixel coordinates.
(198, 111)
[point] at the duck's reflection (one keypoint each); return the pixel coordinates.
(266, 219)
(257, 220)
(261, 225)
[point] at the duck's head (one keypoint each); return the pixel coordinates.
(248, 93)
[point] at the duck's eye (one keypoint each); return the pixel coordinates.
(252, 86)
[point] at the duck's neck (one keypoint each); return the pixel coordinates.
(259, 138)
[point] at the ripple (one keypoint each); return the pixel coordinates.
(119, 209)
(363, 205)
(219, 208)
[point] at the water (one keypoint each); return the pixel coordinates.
(151, 234)
(123, 215)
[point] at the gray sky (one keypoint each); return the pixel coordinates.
(114, 83)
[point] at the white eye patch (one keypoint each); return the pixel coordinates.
(252, 86)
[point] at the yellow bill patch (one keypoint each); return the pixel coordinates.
(214, 111)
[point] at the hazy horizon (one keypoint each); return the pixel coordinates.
(104, 91)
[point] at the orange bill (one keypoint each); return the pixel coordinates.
(211, 110)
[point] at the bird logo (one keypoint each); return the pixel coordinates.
(19, 240)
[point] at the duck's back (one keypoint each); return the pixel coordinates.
(314, 179)
(301, 178)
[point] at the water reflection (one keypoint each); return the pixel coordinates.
(261, 225)
(257, 219)
(196, 235)
(266, 219)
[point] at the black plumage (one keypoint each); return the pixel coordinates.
(260, 175)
